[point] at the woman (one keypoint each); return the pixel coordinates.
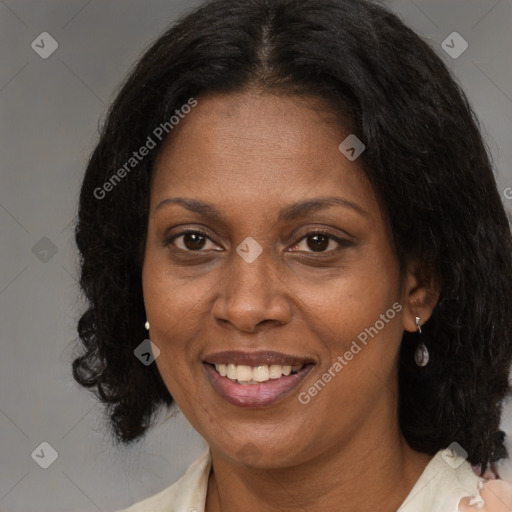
(294, 199)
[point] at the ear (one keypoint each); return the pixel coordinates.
(421, 293)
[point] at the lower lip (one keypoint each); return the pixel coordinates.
(255, 395)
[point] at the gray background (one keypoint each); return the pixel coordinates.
(50, 112)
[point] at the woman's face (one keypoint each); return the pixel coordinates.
(254, 285)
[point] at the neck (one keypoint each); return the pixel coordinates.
(341, 476)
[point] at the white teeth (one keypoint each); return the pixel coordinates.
(253, 375)
(232, 373)
(259, 374)
(244, 373)
(275, 371)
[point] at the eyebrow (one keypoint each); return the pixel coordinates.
(294, 211)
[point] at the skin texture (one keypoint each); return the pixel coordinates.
(251, 154)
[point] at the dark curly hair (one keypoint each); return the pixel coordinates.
(425, 158)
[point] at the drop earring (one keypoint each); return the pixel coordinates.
(146, 325)
(421, 356)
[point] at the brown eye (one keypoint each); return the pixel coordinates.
(320, 242)
(193, 241)
(189, 241)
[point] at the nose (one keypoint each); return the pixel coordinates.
(252, 295)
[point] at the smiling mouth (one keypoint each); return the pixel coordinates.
(250, 375)
(255, 386)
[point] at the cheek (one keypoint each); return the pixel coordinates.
(356, 317)
(169, 307)
(353, 301)
(170, 302)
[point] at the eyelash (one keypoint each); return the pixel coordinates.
(340, 241)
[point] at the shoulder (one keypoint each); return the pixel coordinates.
(187, 493)
(492, 494)
(496, 495)
(449, 482)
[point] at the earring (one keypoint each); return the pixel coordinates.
(418, 323)
(146, 325)
(421, 356)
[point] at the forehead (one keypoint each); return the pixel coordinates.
(259, 149)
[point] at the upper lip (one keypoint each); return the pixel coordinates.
(260, 358)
